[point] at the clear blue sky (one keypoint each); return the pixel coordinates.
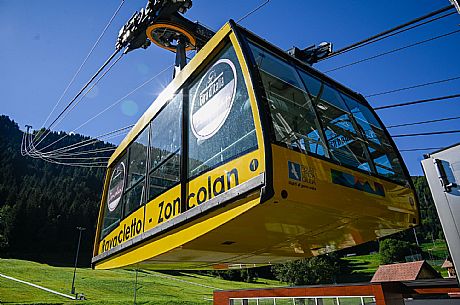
(44, 42)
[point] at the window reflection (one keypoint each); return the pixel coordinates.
(381, 151)
(345, 144)
(138, 158)
(291, 109)
(297, 99)
(137, 168)
(165, 145)
(221, 122)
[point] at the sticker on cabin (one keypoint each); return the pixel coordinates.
(302, 175)
(116, 187)
(213, 99)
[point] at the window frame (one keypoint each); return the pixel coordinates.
(144, 180)
(180, 91)
(185, 131)
(308, 99)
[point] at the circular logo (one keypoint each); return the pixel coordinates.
(117, 182)
(213, 99)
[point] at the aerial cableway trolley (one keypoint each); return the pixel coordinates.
(250, 157)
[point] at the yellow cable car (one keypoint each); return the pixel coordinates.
(250, 157)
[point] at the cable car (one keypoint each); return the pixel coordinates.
(250, 157)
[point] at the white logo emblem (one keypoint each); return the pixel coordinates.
(213, 99)
(116, 187)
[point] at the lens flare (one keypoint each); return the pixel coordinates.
(129, 107)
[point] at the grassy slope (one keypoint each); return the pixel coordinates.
(364, 266)
(437, 253)
(109, 286)
(117, 286)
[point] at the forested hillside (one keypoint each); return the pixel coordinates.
(41, 203)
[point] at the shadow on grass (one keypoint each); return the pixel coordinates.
(175, 273)
(354, 272)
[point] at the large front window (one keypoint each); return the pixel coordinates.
(381, 152)
(312, 116)
(291, 108)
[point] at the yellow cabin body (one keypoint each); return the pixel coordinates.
(250, 157)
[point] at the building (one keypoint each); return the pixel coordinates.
(414, 283)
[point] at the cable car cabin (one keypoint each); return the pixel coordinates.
(250, 157)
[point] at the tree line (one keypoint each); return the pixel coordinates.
(41, 203)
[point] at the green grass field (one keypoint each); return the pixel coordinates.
(117, 286)
(437, 253)
(110, 286)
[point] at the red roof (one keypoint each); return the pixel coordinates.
(405, 272)
(447, 264)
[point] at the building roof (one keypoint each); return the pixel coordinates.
(447, 264)
(405, 272)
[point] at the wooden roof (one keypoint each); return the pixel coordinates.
(405, 272)
(447, 264)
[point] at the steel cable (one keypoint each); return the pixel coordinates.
(414, 86)
(393, 51)
(85, 60)
(428, 100)
(388, 33)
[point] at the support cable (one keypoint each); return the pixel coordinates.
(420, 149)
(79, 93)
(86, 152)
(61, 150)
(111, 106)
(125, 96)
(95, 159)
(87, 142)
(414, 86)
(49, 158)
(84, 61)
(253, 11)
(425, 133)
(397, 33)
(91, 88)
(74, 105)
(393, 51)
(386, 33)
(424, 122)
(418, 102)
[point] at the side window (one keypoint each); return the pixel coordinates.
(345, 144)
(165, 144)
(221, 124)
(112, 207)
(135, 193)
(381, 151)
(312, 84)
(291, 109)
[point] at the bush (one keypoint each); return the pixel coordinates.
(395, 251)
(241, 275)
(311, 271)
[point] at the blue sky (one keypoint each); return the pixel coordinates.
(44, 42)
